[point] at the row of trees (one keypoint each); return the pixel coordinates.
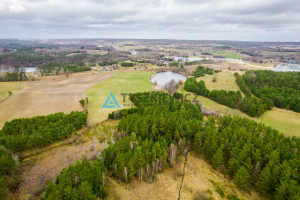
(250, 105)
(24, 133)
(127, 64)
(132, 157)
(201, 71)
(13, 76)
(7, 165)
(281, 89)
(106, 63)
(56, 67)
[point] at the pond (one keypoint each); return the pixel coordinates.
(13, 69)
(162, 78)
(286, 67)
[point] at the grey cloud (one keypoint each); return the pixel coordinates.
(173, 19)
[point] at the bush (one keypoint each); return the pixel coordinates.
(214, 79)
(201, 71)
(178, 95)
(82, 102)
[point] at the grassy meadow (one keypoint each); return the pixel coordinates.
(288, 122)
(5, 87)
(228, 54)
(122, 82)
(225, 80)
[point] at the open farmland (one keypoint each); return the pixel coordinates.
(122, 82)
(47, 97)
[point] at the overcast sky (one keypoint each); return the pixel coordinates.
(249, 20)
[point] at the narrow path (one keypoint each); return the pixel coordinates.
(186, 154)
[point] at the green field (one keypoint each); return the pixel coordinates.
(9, 86)
(288, 122)
(122, 82)
(224, 80)
(228, 54)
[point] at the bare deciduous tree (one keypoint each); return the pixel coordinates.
(172, 86)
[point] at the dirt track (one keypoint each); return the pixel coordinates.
(46, 97)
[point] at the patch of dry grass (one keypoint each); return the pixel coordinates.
(196, 183)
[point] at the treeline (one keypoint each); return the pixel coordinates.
(25, 133)
(250, 105)
(56, 67)
(253, 154)
(81, 181)
(27, 57)
(13, 76)
(242, 85)
(127, 64)
(281, 89)
(201, 71)
(105, 63)
(250, 53)
(7, 166)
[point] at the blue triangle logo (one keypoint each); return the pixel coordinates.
(111, 102)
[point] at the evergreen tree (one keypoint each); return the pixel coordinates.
(264, 180)
(218, 157)
(242, 178)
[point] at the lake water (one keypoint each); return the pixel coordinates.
(162, 78)
(286, 67)
(188, 59)
(12, 69)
